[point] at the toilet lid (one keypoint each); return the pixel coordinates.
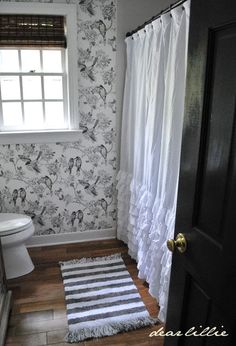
(13, 223)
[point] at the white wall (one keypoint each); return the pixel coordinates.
(130, 15)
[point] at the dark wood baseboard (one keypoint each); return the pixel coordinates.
(5, 311)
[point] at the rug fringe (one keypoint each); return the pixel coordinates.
(91, 259)
(109, 329)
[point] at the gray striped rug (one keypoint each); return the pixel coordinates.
(101, 298)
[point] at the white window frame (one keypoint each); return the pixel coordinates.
(21, 74)
(69, 11)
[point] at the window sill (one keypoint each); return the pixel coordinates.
(39, 136)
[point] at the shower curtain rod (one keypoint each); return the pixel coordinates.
(176, 4)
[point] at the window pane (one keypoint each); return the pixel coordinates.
(12, 115)
(33, 115)
(53, 87)
(30, 60)
(54, 115)
(10, 88)
(9, 61)
(52, 61)
(32, 88)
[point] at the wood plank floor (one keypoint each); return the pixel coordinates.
(38, 315)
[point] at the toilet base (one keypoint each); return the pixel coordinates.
(17, 261)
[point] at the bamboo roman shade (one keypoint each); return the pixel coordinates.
(32, 30)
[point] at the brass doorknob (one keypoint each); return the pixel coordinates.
(180, 243)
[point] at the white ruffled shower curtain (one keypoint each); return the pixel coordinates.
(150, 145)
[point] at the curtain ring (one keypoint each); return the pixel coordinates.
(183, 8)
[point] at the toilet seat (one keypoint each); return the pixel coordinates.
(13, 223)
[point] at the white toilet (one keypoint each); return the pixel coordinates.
(15, 229)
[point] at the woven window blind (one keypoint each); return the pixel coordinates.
(32, 30)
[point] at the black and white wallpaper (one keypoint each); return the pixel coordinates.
(70, 187)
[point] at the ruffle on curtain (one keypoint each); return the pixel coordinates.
(123, 197)
(150, 146)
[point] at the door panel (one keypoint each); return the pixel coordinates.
(203, 279)
(216, 152)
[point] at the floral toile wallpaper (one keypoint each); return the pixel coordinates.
(70, 187)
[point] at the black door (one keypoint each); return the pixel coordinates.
(203, 279)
